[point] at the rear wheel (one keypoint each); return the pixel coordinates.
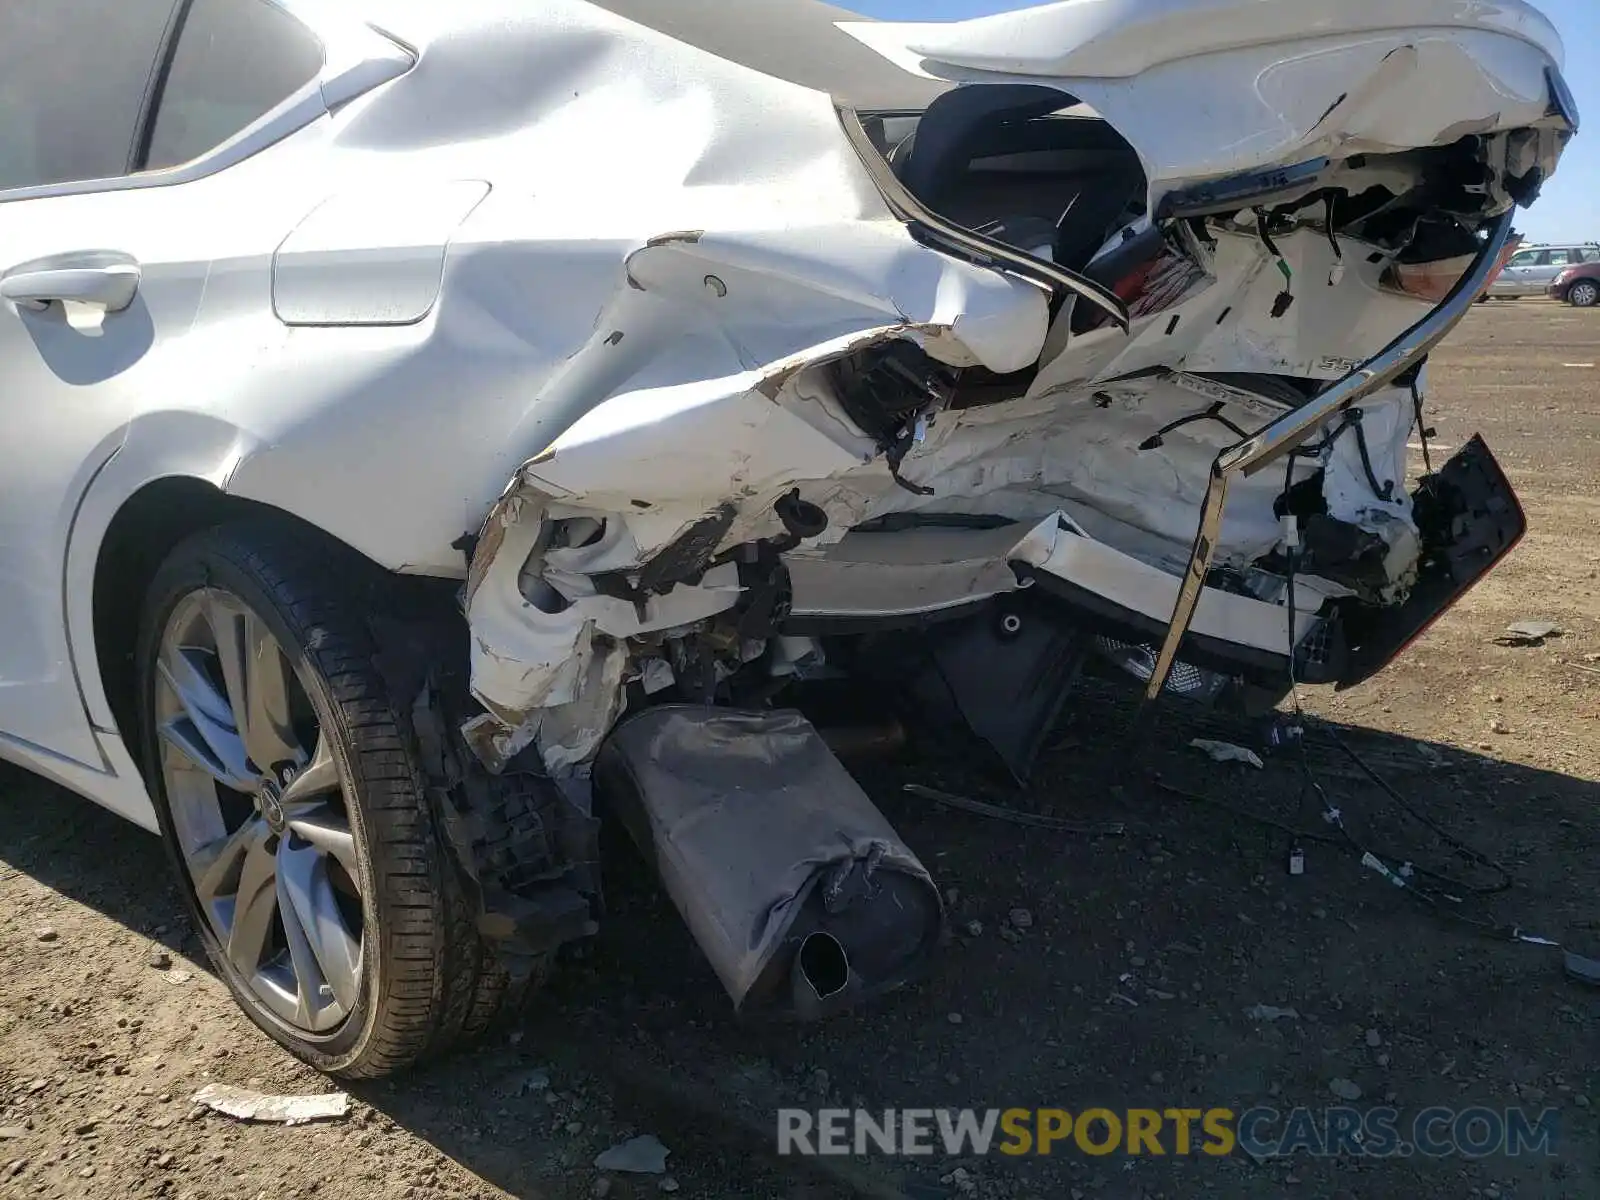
(291, 798)
(1584, 294)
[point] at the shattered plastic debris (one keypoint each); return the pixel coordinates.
(536, 1080)
(642, 1155)
(1227, 752)
(248, 1105)
(1528, 633)
(1271, 1012)
(1345, 1089)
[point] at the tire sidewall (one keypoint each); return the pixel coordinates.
(204, 561)
(1584, 286)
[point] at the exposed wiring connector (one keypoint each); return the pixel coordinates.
(1285, 299)
(1335, 276)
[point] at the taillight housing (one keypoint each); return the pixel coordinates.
(1432, 281)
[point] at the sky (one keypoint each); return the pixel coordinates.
(1568, 209)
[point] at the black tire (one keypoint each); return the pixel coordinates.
(1584, 293)
(427, 978)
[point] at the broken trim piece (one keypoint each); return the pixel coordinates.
(965, 242)
(1291, 430)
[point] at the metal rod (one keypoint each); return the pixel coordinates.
(908, 208)
(1293, 428)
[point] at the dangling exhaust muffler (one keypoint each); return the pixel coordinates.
(798, 890)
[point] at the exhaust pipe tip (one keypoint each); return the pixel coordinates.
(821, 973)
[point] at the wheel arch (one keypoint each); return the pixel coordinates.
(1592, 281)
(144, 530)
(166, 474)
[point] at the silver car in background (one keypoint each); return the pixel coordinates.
(1533, 269)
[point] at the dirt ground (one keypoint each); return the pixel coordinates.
(1128, 987)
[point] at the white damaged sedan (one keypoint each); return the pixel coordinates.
(427, 426)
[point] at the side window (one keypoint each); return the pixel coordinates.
(1526, 259)
(1560, 258)
(235, 61)
(73, 75)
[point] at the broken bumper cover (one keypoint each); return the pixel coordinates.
(1290, 431)
(1470, 519)
(1468, 514)
(935, 575)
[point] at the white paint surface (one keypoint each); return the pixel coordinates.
(536, 254)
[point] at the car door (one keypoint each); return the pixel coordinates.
(54, 132)
(1551, 263)
(1514, 279)
(122, 124)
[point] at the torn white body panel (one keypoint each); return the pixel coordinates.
(922, 571)
(793, 344)
(1351, 466)
(1086, 452)
(636, 313)
(913, 572)
(1212, 87)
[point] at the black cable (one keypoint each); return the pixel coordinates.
(1285, 300)
(1214, 413)
(1406, 878)
(1422, 429)
(1352, 420)
(1444, 835)
(1265, 234)
(1293, 559)
(1333, 239)
(1387, 489)
(1299, 835)
(1331, 813)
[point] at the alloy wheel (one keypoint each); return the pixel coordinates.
(1584, 293)
(259, 809)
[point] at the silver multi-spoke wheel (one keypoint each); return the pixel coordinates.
(259, 810)
(1584, 294)
(293, 792)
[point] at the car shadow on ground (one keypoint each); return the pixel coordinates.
(92, 856)
(1127, 984)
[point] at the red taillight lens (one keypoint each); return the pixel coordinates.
(1430, 281)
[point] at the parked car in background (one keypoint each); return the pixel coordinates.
(1579, 285)
(1534, 269)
